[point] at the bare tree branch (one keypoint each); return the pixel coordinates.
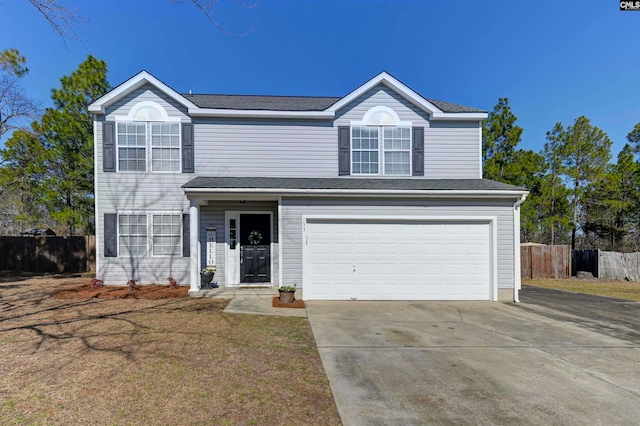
(15, 105)
(60, 17)
(207, 8)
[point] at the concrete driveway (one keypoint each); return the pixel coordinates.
(415, 363)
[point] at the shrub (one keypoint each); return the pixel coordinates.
(173, 284)
(97, 284)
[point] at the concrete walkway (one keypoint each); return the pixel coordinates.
(251, 300)
(472, 363)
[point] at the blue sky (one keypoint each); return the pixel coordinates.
(554, 60)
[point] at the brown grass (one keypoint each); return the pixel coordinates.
(618, 289)
(168, 361)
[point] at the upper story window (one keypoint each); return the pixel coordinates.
(148, 141)
(132, 142)
(381, 144)
(165, 147)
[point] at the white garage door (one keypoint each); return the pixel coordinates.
(399, 260)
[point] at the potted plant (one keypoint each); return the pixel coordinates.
(287, 294)
(207, 276)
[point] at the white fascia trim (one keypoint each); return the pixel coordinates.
(279, 221)
(517, 278)
(361, 192)
(400, 123)
(128, 119)
(135, 82)
(96, 209)
(209, 112)
(459, 116)
(392, 83)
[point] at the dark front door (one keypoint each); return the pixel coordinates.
(255, 248)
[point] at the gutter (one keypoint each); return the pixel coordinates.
(362, 192)
(517, 274)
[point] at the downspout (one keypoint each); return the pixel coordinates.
(517, 279)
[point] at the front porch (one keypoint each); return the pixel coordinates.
(251, 301)
(240, 238)
(224, 292)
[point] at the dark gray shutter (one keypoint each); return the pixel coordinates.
(110, 235)
(109, 146)
(186, 235)
(418, 151)
(187, 148)
(344, 151)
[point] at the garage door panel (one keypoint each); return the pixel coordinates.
(397, 260)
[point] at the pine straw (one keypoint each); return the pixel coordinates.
(150, 292)
(276, 303)
(135, 361)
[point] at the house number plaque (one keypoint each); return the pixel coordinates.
(211, 247)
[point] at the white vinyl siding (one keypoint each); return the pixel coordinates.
(132, 142)
(165, 147)
(167, 231)
(132, 235)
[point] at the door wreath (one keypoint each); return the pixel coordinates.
(255, 237)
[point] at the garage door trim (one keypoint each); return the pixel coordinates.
(448, 219)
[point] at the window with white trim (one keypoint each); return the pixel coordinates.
(380, 150)
(132, 235)
(135, 139)
(165, 147)
(397, 151)
(167, 231)
(132, 142)
(365, 151)
(160, 232)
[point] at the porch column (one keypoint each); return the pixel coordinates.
(194, 245)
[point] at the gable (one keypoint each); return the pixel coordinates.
(308, 107)
(148, 94)
(381, 95)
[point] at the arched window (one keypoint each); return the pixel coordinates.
(148, 133)
(381, 144)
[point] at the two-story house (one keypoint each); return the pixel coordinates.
(377, 195)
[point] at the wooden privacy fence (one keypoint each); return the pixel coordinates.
(48, 254)
(585, 260)
(545, 261)
(609, 265)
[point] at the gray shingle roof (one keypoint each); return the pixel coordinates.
(269, 103)
(453, 108)
(350, 183)
(291, 103)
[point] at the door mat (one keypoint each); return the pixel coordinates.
(278, 304)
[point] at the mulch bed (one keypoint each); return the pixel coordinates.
(276, 303)
(151, 292)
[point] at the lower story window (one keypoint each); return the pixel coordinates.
(166, 234)
(132, 233)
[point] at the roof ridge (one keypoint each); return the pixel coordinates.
(263, 96)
